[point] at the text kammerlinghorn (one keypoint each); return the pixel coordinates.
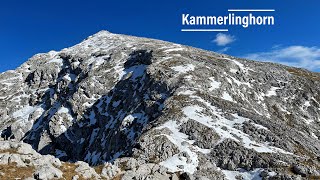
(231, 19)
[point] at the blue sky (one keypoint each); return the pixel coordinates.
(30, 27)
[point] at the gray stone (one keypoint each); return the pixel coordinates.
(301, 170)
(138, 103)
(109, 171)
(86, 171)
(47, 172)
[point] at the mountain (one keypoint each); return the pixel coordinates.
(137, 108)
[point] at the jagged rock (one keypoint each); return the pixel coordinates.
(109, 171)
(127, 163)
(298, 169)
(187, 176)
(204, 136)
(156, 109)
(7, 158)
(86, 171)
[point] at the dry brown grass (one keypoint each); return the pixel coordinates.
(11, 171)
(98, 169)
(118, 177)
(301, 151)
(10, 151)
(303, 73)
(68, 170)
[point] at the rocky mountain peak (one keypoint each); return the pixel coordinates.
(162, 110)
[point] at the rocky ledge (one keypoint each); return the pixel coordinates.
(123, 107)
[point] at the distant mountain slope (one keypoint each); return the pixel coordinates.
(155, 109)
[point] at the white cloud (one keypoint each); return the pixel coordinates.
(298, 56)
(223, 39)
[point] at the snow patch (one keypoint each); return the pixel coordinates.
(173, 49)
(307, 104)
(214, 84)
(272, 91)
(134, 71)
(63, 110)
(183, 68)
(227, 129)
(25, 112)
(239, 83)
(314, 136)
(227, 97)
(127, 120)
(56, 60)
(183, 144)
(240, 65)
(186, 92)
(66, 111)
(233, 70)
(252, 175)
(69, 77)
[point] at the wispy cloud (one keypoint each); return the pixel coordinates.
(223, 39)
(298, 56)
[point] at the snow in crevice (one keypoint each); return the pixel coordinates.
(239, 83)
(229, 80)
(258, 126)
(64, 122)
(120, 71)
(282, 108)
(186, 92)
(69, 77)
(240, 65)
(24, 113)
(133, 72)
(226, 96)
(314, 136)
(307, 104)
(226, 128)
(184, 145)
(174, 49)
(137, 118)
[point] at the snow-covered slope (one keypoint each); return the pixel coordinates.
(189, 112)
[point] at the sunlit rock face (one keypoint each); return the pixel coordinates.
(163, 110)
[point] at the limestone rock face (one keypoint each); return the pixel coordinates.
(117, 106)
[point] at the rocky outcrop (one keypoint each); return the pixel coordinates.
(117, 106)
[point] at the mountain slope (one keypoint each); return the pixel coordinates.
(128, 100)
